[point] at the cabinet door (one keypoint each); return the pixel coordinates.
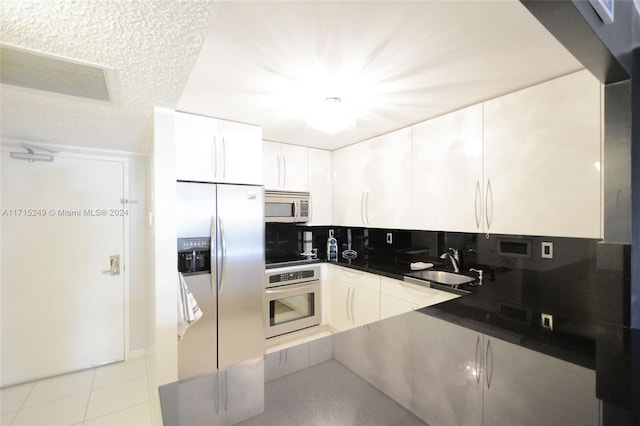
(195, 139)
(447, 172)
(349, 184)
(340, 317)
(527, 387)
(364, 306)
(295, 168)
(240, 153)
(388, 201)
(447, 379)
(320, 171)
(542, 159)
(271, 165)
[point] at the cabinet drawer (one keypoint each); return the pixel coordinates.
(356, 278)
(416, 294)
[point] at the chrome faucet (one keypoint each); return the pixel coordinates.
(453, 255)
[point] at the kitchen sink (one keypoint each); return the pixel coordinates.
(442, 277)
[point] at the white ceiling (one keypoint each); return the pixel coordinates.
(398, 62)
(262, 62)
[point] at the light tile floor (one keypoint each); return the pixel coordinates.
(113, 395)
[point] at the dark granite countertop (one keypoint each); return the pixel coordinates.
(471, 311)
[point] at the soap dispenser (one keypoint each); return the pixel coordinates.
(332, 247)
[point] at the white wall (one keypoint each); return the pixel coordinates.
(162, 294)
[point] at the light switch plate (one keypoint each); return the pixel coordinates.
(389, 238)
(547, 250)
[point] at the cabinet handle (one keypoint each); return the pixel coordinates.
(284, 174)
(478, 355)
(366, 208)
(362, 208)
(478, 203)
(280, 358)
(214, 158)
(279, 172)
(488, 206)
(224, 159)
(346, 305)
(353, 296)
(489, 359)
(286, 355)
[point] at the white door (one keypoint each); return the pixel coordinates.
(61, 222)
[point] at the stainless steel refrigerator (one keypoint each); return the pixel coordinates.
(222, 353)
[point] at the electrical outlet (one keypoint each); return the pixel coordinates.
(547, 250)
(389, 238)
(546, 321)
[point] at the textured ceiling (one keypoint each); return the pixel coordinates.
(152, 44)
(398, 62)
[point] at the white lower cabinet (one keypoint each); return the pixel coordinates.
(464, 377)
(354, 298)
(448, 386)
(381, 353)
(526, 387)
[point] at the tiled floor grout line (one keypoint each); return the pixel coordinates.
(116, 411)
(86, 408)
(24, 401)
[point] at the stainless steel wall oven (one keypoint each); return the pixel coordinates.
(293, 299)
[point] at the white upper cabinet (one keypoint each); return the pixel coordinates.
(372, 182)
(241, 160)
(349, 181)
(285, 167)
(320, 171)
(542, 149)
(195, 139)
(447, 172)
(212, 150)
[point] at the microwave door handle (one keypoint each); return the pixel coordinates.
(310, 207)
(295, 211)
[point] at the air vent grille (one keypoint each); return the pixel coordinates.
(35, 70)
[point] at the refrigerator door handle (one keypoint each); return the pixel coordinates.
(223, 249)
(212, 256)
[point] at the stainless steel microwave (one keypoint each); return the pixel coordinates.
(287, 206)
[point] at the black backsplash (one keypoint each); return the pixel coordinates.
(515, 285)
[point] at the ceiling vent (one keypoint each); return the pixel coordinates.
(40, 71)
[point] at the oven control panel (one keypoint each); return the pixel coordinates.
(291, 275)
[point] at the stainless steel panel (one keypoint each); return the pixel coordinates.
(241, 328)
(195, 206)
(197, 349)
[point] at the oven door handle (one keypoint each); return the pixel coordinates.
(290, 287)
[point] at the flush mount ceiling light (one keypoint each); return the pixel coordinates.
(332, 115)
